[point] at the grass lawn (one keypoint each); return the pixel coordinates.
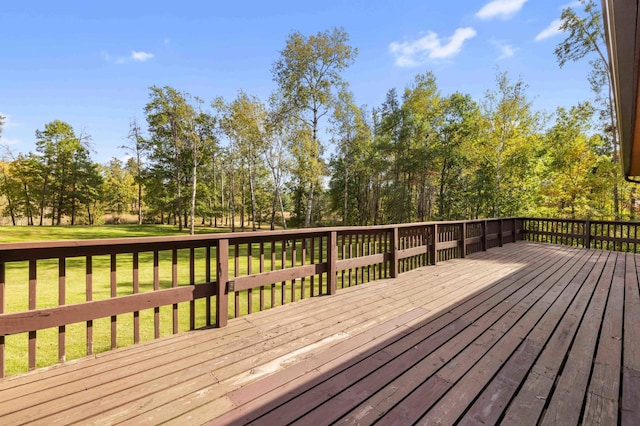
(11, 234)
(16, 287)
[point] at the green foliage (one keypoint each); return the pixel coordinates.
(507, 149)
(576, 178)
(68, 177)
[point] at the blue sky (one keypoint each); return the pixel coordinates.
(91, 63)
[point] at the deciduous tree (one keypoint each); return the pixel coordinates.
(308, 73)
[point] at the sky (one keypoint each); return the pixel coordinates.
(91, 63)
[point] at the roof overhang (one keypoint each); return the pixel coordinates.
(621, 30)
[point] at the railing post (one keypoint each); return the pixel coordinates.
(395, 239)
(222, 276)
(434, 245)
(500, 232)
(463, 240)
(332, 262)
(521, 222)
(587, 234)
(484, 235)
(513, 230)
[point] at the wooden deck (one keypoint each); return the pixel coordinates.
(523, 334)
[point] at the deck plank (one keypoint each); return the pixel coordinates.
(519, 334)
(630, 409)
(567, 399)
(531, 398)
(601, 406)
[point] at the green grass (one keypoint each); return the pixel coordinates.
(10, 234)
(16, 288)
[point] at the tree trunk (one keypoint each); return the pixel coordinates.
(232, 203)
(345, 201)
(192, 228)
(178, 188)
(273, 209)
(139, 203)
(284, 220)
(242, 203)
(11, 212)
(307, 219)
(253, 198)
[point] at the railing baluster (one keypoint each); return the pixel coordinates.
(174, 284)
(156, 287)
(192, 282)
(89, 298)
(114, 293)
(261, 271)
(283, 264)
(62, 300)
(312, 260)
(368, 254)
(293, 265)
(273, 268)
(136, 290)
(207, 277)
(303, 255)
(236, 273)
(32, 306)
(249, 270)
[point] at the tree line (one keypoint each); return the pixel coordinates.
(310, 155)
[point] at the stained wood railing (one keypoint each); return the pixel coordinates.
(598, 234)
(93, 295)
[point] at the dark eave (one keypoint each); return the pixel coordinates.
(621, 30)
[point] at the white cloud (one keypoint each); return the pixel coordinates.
(572, 4)
(135, 56)
(141, 56)
(416, 52)
(552, 30)
(506, 50)
(500, 8)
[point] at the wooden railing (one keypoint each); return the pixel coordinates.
(598, 234)
(93, 295)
